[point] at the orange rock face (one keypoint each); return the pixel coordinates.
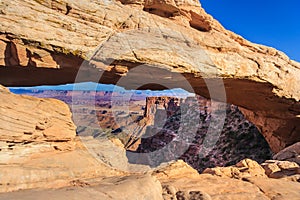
(38, 145)
(30, 119)
(246, 180)
(244, 169)
(54, 38)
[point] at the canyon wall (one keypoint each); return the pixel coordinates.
(51, 42)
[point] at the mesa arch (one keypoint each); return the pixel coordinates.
(40, 44)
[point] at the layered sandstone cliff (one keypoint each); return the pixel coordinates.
(45, 42)
(39, 147)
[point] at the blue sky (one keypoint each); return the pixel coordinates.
(270, 22)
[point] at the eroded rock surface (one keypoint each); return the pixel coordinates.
(182, 128)
(127, 187)
(29, 119)
(244, 169)
(249, 183)
(280, 169)
(45, 42)
(39, 147)
(291, 153)
(62, 167)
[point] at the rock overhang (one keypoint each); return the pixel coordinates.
(261, 80)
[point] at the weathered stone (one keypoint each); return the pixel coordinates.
(164, 8)
(37, 136)
(280, 169)
(3, 56)
(41, 58)
(19, 53)
(174, 169)
(291, 153)
(199, 22)
(188, 183)
(277, 189)
(239, 139)
(71, 31)
(127, 188)
(255, 186)
(38, 147)
(30, 119)
(243, 169)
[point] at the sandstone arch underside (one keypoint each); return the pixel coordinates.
(47, 42)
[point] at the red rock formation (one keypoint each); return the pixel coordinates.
(183, 131)
(53, 38)
(160, 103)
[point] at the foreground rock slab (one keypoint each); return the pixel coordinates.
(127, 188)
(253, 185)
(277, 189)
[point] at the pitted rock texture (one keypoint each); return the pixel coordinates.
(45, 42)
